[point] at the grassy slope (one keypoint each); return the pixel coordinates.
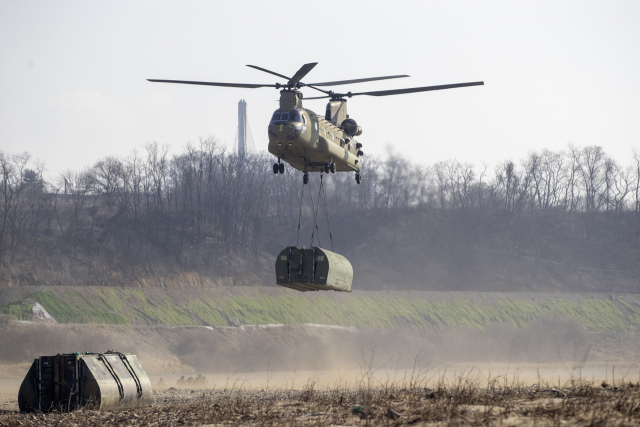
(260, 305)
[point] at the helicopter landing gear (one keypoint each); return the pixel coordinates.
(358, 178)
(330, 167)
(278, 167)
(305, 178)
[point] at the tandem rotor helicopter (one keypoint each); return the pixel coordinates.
(310, 142)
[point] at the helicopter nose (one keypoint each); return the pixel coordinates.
(293, 131)
(278, 131)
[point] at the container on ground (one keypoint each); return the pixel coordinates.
(67, 382)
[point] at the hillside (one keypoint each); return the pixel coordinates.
(216, 306)
(192, 329)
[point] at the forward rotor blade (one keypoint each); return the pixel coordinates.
(370, 79)
(318, 89)
(303, 71)
(416, 89)
(269, 71)
(243, 85)
(316, 97)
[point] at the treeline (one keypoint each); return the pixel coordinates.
(564, 220)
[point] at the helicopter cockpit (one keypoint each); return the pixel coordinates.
(289, 116)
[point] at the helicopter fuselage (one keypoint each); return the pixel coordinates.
(308, 141)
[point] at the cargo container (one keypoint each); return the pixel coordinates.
(313, 269)
(66, 382)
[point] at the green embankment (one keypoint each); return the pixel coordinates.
(215, 306)
(20, 309)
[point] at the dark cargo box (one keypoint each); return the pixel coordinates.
(313, 269)
(70, 381)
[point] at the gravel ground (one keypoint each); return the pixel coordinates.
(460, 403)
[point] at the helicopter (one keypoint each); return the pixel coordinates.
(315, 143)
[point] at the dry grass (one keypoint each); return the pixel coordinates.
(419, 399)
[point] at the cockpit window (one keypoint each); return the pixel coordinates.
(293, 116)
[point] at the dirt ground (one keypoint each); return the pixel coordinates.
(268, 370)
(481, 374)
(460, 400)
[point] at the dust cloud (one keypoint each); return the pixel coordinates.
(174, 350)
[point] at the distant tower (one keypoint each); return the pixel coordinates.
(244, 140)
(242, 128)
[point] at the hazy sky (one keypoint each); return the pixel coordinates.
(73, 88)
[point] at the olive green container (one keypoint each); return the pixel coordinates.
(66, 382)
(313, 269)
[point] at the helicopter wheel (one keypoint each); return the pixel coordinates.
(358, 178)
(281, 167)
(332, 167)
(275, 168)
(327, 167)
(305, 178)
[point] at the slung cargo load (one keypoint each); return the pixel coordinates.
(67, 382)
(313, 269)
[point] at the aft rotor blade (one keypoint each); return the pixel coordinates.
(243, 85)
(269, 71)
(303, 71)
(417, 89)
(370, 79)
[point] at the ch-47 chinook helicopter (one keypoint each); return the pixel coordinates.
(310, 142)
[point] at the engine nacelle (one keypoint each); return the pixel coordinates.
(351, 128)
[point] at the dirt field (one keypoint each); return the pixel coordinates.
(461, 400)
